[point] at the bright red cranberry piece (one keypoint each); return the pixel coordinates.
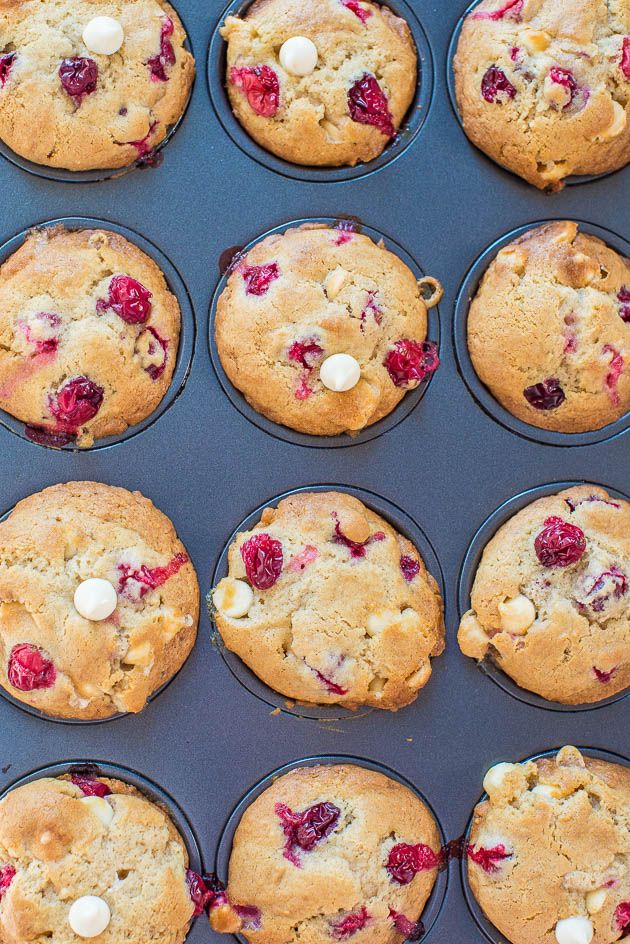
(624, 294)
(616, 366)
(263, 559)
(29, 670)
(622, 915)
(410, 362)
(511, 10)
(487, 859)
(565, 78)
(90, 787)
(129, 299)
(356, 548)
(625, 58)
(410, 930)
(304, 559)
(6, 64)
(368, 105)
(307, 829)
(79, 77)
(559, 544)
(496, 87)
(546, 395)
(342, 930)
(405, 861)
(602, 676)
(157, 343)
(199, 894)
(261, 87)
(77, 402)
(7, 874)
(251, 917)
(166, 56)
(357, 9)
(410, 567)
(307, 352)
(258, 278)
(148, 578)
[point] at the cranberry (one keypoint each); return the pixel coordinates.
(410, 930)
(251, 917)
(258, 278)
(356, 548)
(573, 503)
(357, 9)
(216, 890)
(7, 874)
(128, 298)
(405, 861)
(147, 155)
(616, 365)
(301, 561)
(263, 559)
(368, 105)
(155, 371)
(306, 352)
(29, 670)
(546, 395)
(488, 858)
(328, 683)
(515, 53)
(45, 346)
(79, 77)
(371, 308)
(347, 229)
(77, 402)
(90, 787)
(511, 10)
(307, 829)
(200, 895)
(49, 437)
(6, 64)
(496, 87)
(341, 930)
(559, 544)
(261, 87)
(625, 58)
(410, 567)
(147, 578)
(602, 676)
(622, 915)
(599, 589)
(166, 56)
(410, 362)
(565, 78)
(624, 293)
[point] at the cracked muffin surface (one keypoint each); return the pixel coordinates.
(349, 107)
(62, 105)
(551, 597)
(328, 604)
(331, 853)
(63, 839)
(549, 849)
(543, 86)
(57, 660)
(549, 329)
(89, 333)
(298, 298)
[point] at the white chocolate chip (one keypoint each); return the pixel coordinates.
(576, 930)
(595, 900)
(95, 599)
(495, 777)
(472, 637)
(298, 56)
(616, 127)
(142, 654)
(100, 807)
(103, 35)
(536, 40)
(89, 916)
(545, 790)
(334, 282)
(340, 372)
(517, 615)
(377, 622)
(233, 598)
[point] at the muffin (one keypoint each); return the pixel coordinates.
(549, 847)
(330, 853)
(82, 857)
(320, 82)
(323, 330)
(328, 604)
(93, 85)
(551, 601)
(543, 87)
(98, 601)
(89, 332)
(549, 330)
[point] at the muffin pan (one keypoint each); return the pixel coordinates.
(447, 466)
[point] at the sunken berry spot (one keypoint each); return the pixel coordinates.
(559, 544)
(307, 829)
(200, 895)
(90, 787)
(564, 78)
(261, 87)
(372, 308)
(357, 548)
(137, 582)
(511, 10)
(409, 362)
(29, 670)
(128, 298)
(546, 395)
(258, 278)
(625, 58)
(346, 927)
(306, 352)
(6, 64)
(156, 347)
(251, 917)
(410, 930)
(602, 676)
(405, 861)
(76, 403)
(263, 559)
(357, 9)
(496, 87)
(332, 687)
(616, 366)
(487, 859)
(598, 590)
(166, 56)
(304, 559)
(79, 77)
(624, 293)
(7, 874)
(346, 230)
(622, 915)
(410, 567)
(147, 155)
(368, 105)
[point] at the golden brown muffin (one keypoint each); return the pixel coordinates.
(543, 86)
(551, 597)
(327, 854)
(89, 333)
(549, 330)
(549, 850)
(63, 105)
(327, 603)
(351, 103)
(56, 659)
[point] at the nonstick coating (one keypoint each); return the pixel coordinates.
(449, 465)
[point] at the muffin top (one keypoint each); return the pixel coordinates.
(549, 329)
(66, 103)
(320, 82)
(98, 601)
(549, 849)
(543, 86)
(327, 603)
(551, 597)
(323, 330)
(89, 333)
(78, 851)
(328, 853)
